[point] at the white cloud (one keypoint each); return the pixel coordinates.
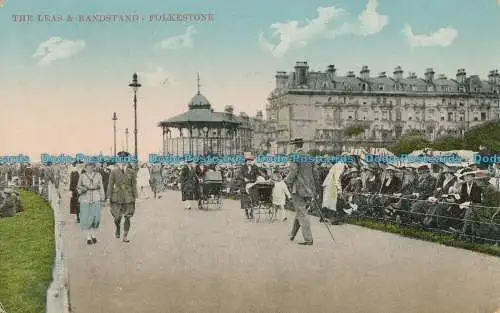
(291, 35)
(57, 48)
(185, 40)
(498, 1)
(370, 21)
(442, 37)
(158, 77)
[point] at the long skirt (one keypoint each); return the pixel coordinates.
(74, 205)
(90, 215)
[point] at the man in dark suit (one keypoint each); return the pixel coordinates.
(470, 196)
(122, 193)
(302, 179)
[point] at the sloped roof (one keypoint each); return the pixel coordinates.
(200, 116)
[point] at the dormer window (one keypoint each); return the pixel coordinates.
(380, 87)
(365, 87)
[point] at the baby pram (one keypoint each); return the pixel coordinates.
(261, 198)
(211, 191)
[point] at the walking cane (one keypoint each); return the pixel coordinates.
(322, 217)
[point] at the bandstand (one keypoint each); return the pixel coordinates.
(201, 131)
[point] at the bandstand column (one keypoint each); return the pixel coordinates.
(164, 140)
(190, 140)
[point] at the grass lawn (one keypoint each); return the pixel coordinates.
(444, 239)
(27, 251)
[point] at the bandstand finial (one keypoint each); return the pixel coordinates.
(198, 82)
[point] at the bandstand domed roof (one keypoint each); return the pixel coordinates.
(199, 102)
(200, 113)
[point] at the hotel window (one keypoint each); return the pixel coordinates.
(483, 116)
(476, 118)
(442, 118)
(450, 116)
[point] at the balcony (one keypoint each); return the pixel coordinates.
(358, 123)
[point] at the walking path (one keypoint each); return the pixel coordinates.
(196, 261)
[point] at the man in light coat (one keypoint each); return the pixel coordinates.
(302, 178)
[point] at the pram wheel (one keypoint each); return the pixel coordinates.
(211, 195)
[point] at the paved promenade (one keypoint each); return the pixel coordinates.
(196, 261)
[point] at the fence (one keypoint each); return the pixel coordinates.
(58, 292)
(473, 222)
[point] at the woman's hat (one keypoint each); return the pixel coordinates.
(248, 156)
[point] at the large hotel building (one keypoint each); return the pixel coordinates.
(334, 113)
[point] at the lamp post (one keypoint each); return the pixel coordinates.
(126, 139)
(114, 133)
(135, 87)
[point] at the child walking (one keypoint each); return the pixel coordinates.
(280, 194)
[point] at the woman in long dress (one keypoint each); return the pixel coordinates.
(143, 182)
(91, 197)
(332, 188)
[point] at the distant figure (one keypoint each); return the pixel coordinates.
(156, 179)
(144, 182)
(74, 206)
(189, 183)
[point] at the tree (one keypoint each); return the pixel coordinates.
(353, 131)
(448, 143)
(409, 143)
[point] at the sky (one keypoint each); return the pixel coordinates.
(63, 79)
